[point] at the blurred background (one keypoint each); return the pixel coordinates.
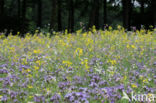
(58, 15)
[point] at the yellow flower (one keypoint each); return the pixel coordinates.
(36, 31)
(119, 27)
(140, 77)
(145, 80)
(94, 29)
(84, 34)
(79, 31)
(38, 62)
(29, 76)
(125, 77)
(66, 32)
(24, 61)
(85, 63)
(36, 67)
(78, 52)
(133, 46)
(29, 86)
(2, 36)
(28, 35)
(127, 46)
(37, 51)
(112, 73)
(118, 57)
(89, 41)
(12, 49)
(67, 63)
(113, 62)
(48, 89)
(30, 96)
(110, 28)
(150, 95)
(0, 97)
(18, 33)
(134, 85)
(28, 70)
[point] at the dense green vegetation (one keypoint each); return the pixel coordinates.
(90, 67)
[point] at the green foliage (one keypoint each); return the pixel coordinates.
(96, 65)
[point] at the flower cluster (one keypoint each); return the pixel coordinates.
(89, 67)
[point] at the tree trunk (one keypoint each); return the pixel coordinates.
(39, 21)
(105, 11)
(142, 11)
(1, 7)
(94, 16)
(54, 15)
(23, 21)
(19, 14)
(34, 16)
(59, 15)
(97, 2)
(23, 9)
(154, 12)
(19, 8)
(71, 16)
(126, 4)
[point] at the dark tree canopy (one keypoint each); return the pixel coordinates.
(58, 15)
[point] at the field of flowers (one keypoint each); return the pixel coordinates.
(84, 67)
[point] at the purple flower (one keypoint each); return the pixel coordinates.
(48, 78)
(83, 89)
(93, 84)
(95, 78)
(3, 65)
(39, 99)
(5, 91)
(120, 87)
(22, 94)
(24, 85)
(71, 98)
(77, 97)
(94, 61)
(55, 98)
(15, 101)
(23, 66)
(30, 60)
(68, 95)
(64, 85)
(7, 82)
(12, 64)
(84, 100)
(1, 79)
(13, 94)
(134, 28)
(77, 80)
(102, 83)
(4, 98)
(3, 71)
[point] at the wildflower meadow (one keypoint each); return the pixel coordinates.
(95, 66)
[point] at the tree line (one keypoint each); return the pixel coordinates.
(57, 15)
